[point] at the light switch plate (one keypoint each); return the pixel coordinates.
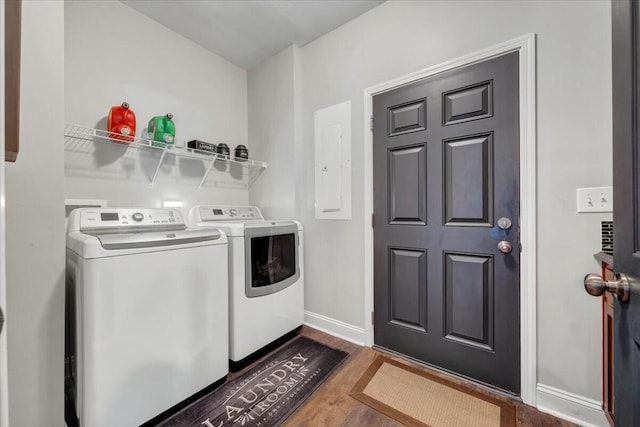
(595, 199)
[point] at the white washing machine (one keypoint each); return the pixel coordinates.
(266, 285)
(150, 322)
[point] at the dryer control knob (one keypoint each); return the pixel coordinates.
(137, 217)
(233, 212)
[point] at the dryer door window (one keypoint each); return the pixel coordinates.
(273, 263)
(272, 259)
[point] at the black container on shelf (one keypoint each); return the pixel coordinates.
(241, 152)
(202, 146)
(223, 148)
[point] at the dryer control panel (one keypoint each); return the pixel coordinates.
(228, 213)
(104, 219)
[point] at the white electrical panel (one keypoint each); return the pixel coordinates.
(333, 162)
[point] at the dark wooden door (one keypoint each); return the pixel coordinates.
(446, 169)
(626, 199)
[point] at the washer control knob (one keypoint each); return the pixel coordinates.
(233, 212)
(137, 217)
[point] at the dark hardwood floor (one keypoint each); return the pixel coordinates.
(331, 404)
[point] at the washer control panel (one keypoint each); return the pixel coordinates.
(105, 218)
(229, 213)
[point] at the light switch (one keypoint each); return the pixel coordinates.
(595, 199)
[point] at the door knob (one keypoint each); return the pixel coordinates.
(505, 247)
(620, 287)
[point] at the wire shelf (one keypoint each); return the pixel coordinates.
(75, 135)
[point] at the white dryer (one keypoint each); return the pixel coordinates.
(266, 284)
(149, 313)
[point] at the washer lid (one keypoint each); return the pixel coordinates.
(98, 245)
(154, 239)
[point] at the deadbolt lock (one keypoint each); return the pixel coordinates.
(504, 223)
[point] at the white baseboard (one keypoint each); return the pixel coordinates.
(335, 327)
(571, 407)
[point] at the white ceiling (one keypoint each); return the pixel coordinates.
(246, 32)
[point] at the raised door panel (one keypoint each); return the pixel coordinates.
(468, 181)
(468, 301)
(407, 118)
(469, 103)
(407, 299)
(407, 185)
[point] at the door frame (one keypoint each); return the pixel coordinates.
(526, 48)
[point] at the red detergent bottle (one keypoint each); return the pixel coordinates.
(121, 123)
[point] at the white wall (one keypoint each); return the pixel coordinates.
(272, 132)
(112, 54)
(574, 145)
(35, 226)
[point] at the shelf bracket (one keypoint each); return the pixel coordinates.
(155, 174)
(206, 173)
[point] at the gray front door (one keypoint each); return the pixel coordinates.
(626, 207)
(446, 170)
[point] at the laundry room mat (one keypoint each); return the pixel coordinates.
(417, 398)
(266, 394)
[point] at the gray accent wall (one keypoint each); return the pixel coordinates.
(574, 145)
(35, 239)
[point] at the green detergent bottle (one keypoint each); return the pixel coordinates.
(162, 131)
